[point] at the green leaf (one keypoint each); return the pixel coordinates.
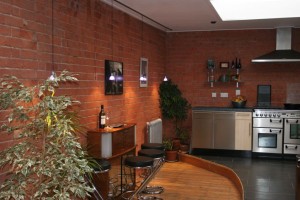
(46, 155)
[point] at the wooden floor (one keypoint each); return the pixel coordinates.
(185, 181)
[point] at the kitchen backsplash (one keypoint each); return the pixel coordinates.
(293, 93)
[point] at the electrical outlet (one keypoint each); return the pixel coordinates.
(224, 94)
(213, 94)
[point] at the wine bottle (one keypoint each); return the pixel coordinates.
(239, 65)
(236, 63)
(232, 65)
(102, 117)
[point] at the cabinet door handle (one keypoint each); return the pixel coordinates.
(275, 131)
(275, 120)
(291, 147)
(249, 129)
(243, 114)
(292, 121)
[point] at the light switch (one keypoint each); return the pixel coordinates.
(213, 94)
(224, 94)
(237, 92)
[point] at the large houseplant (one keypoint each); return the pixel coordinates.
(46, 160)
(174, 106)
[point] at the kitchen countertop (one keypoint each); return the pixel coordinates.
(203, 108)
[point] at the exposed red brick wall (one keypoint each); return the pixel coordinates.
(87, 35)
(187, 55)
(84, 37)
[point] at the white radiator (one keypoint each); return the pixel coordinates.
(154, 131)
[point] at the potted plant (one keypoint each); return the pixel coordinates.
(173, 106)
(45, 160)
(171, 154)
(184, 140)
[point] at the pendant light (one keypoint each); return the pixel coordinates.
(165, 78)
(112, 76)
(142, 74)
(53, 75)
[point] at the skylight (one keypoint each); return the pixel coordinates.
(231, 10)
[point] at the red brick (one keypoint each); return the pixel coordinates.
(83, 41)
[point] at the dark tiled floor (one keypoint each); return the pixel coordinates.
(262, 178)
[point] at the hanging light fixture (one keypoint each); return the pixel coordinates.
(165, 78)
(143, 76)
(53, 75)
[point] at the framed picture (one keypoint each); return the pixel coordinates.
(143, 72)
(113, 77)
(224, 64)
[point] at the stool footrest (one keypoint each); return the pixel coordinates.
(153, 190)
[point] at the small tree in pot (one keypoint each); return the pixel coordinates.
(46, 160)
(173, 105)
(171, 154)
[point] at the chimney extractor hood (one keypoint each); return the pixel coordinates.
(283, 52)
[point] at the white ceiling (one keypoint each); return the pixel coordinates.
(192, 15)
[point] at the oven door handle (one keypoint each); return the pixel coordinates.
(275, 120)
(275, 131)
(295, 121)
(291, 146)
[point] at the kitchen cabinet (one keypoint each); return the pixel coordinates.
(243, 130)
(213, 129)
(224, 130)
(202, 130)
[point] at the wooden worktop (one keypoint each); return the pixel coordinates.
(111, 142)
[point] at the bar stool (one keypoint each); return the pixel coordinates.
(158, 156)
(158, 146)
(137, 162)
(100, 181)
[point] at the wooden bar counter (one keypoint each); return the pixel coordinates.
(112, 144)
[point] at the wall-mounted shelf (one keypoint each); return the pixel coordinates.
(225, 74)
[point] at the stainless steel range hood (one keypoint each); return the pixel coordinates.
(283, 52)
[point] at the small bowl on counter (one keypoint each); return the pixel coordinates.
(239, 104)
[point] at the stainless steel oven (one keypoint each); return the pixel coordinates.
(292, 132)
(267, 140)
(267, 131)
(276, 131)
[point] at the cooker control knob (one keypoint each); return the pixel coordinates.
(274, 115)
(257, 115)
(261, 115)
(270, 115)
(265, 115)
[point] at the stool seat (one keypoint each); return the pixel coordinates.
(153, 146)
(152, 153)
(139, 161)
(103, 165)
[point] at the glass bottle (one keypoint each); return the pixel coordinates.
(239, 65)
(102, 117)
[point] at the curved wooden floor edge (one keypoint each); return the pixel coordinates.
(213, 167)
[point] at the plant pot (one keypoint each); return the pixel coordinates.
(171, 156)
(184, 148)
(176, 144)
